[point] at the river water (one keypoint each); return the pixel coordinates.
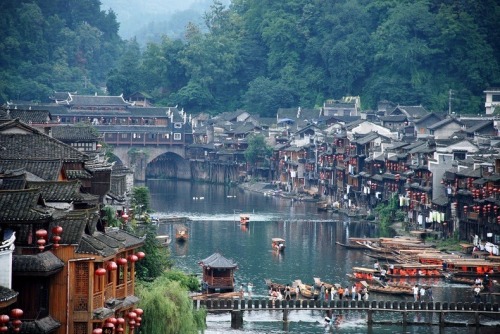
(311, 252)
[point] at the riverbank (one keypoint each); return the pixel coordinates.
(272, 189)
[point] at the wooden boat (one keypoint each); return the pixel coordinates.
(459, 280)
(222, 295)
(414, 270)
(472, 268)
(351, 245)
(181, 233)
(306, 291)
(318, 283)
(384, 257)
(387, 289)
(323, 206)
(377, 249)
(163, 240)
(364, 274)
(277, 286)
(278, 244)
(244, 219)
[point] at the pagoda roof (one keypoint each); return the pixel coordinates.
(218, 261)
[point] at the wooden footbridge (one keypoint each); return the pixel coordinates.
(238, 306)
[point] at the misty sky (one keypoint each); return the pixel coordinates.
(134, 14)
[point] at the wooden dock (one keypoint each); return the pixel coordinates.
(371, 308)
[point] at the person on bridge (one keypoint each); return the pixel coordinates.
(341, 293)
(415, 293)
(322, 292)
(249, 289)
(353, 292)
(288, 293)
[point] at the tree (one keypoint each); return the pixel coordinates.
(157, 258)
(141, 200)
(265, 97)
(257, 150)
(168, 309)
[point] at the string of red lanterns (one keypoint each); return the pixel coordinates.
(41, 236)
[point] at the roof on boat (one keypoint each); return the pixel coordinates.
(368, 270)
(418, 265)
(278, 240)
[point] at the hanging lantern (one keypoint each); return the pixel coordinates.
(41, 244)
(112, 320)
(122, 261)
(142, 255)
(4, 318)
(132, 315)
(41, 236)
(16, 313)
(133, 258)
(124, 216)
(100, 272)
(112, 266)
(97, 331)
(139, 311)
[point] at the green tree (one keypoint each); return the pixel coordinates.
(257, 150)
(141, 200)
(265, 97)
(157, 258)
(168, 309)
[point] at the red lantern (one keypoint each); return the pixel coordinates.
(41, 234)
(121, 321)
(139, 311)
(100, 272)
(124, 216)
(108, 325)
(16, 313)
(57, 230)
(112, 320)
(4, 329)
(122, 261)
(132, 315)
(112, 266)
(4, 318)
(97, 331)
(133, 258)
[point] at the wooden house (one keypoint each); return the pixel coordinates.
(218, 273)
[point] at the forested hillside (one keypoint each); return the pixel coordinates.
(263, 54)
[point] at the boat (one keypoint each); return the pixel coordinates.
(459, 280)
(414, 270)
(181, 233)
(323, 206)
(318, 283)
(306, 291)
(350, 245)
(221, 295)
(388, 289)
(278, 244)
(278, 286)
(163, 240)
(472, 267)
(244, 219)
(364, 274)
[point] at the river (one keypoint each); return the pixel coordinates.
(311, 252)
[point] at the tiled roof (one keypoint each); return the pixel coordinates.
(412, 111)
(58, 191)
(73, 174)
(33, 144)
(12, 179)
(426, 117)
(30, 116)
(20, 205)
(73, 224)
(128, 239)
(91, 245)
(40, 326)
(96, 100)
(479, 126)
(40, 264)
(443, 123)
(67, 133)
(216, 260)
(7, 294)
(44, 168)
(394, 118)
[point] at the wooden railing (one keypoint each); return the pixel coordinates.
(370, 307)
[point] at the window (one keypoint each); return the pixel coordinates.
(178, 125)
(495, 98)
(124, 135)
(177, 136)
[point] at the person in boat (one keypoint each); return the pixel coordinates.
(382, 275)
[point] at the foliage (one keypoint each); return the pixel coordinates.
(257, 149)
(388, 213)
(168, 309)
(110, 216)
(261, 55)
(141, 199)
(157, 258)
(189, 282)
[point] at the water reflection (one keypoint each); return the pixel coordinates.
(311, 252)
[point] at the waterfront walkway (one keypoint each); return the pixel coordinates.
(238, 306)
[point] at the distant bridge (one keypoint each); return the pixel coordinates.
(137, 146)
(237, 307)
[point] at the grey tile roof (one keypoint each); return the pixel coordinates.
(443, 123)
(73, 174)
(73, 224)
(12, 179)
(394, 118)
(7, 294)
(40, 264)
(479, 126)
(412, 111)
(31, 116)
(68, 133)
(47, 169)
(128, 239)
(59, 191)
(216, 260)
(97, 100)
(40, 326)
(91, 245)
(34, 144)
(20, 205)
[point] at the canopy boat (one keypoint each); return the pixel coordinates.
(414, 270)
(244, 219)
(450, 277)
(473, 267)
(279, 287)
(364, 274)
(278, 244)
(181, 233)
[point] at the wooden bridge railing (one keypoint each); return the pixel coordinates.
(239, 305)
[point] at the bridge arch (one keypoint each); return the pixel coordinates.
(138, 157)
